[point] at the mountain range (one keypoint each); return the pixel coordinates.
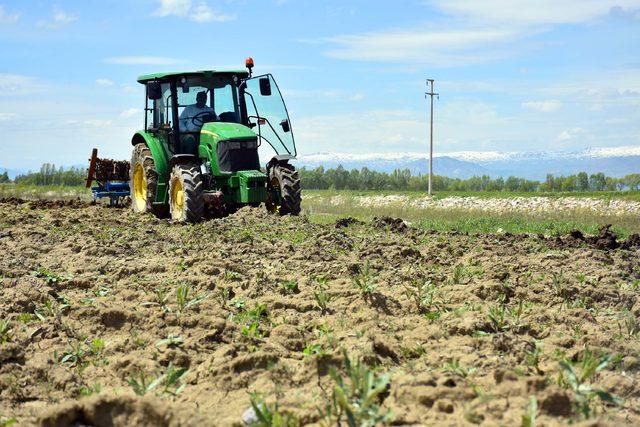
(615, 162)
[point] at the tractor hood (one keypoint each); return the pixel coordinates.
(223, 131)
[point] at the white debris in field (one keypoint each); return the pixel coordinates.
(514, 204)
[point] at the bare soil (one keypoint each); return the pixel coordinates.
(92, 299)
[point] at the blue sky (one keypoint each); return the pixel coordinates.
(513, 75)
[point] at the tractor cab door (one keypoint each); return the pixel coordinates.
(266, 110)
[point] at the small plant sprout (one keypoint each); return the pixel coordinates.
(171, 341)
(365, 280)
(49, 277)
(5, 331)
(270, 415)
(422, 292)
(578, 381)
(171, 381)
(289, 287)
(534, 354)
(184, 299)
(323, 298)
(497, 317)
(529, 417)
(453, 366)
(357, 396)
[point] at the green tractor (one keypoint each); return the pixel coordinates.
(198, 152)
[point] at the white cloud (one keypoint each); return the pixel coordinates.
(7, 117)
(59, 19)
(130, 112)
(173, 7)
(534, 12)
(8, 18)
(203, 13)
(141, 60)
(200, 13)
(548, 106)
(98, 122)
(444, 47)
(104, 82)
(130, 89)
(15, 84)
(569, 134)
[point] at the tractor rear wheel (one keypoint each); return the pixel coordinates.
(284, 179)
(143, 181)
(185, 194)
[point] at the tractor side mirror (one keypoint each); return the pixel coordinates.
(285, 125)
(154, 91)
(265, 86)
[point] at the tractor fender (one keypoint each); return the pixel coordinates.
(157, 151)
(279, 160)
(183, 159)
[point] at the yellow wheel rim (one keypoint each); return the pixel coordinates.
(139, 188)
(177, 199)
(272, 207)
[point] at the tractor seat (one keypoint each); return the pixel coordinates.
(228, 116)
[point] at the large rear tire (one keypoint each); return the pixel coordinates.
(284, 180)
(185, 194)
(143, 182)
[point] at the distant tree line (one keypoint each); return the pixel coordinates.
(50, 175)
(401, 179)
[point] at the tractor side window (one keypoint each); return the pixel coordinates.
(162, 116)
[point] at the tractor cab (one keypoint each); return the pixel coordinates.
(212, 123)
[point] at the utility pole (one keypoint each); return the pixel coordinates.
(431, 94)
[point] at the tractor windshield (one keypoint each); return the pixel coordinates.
(266, 108)
(206, 99)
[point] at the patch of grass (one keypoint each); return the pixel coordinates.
(320, 209)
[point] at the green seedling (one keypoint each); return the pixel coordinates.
(422, 292)
(289, 287)
(365, 280)
(170, 341)
(578, 381)
(184, 300)
(270, 415)
(356, 396)
(529, 418)
(5, 331)
(533, 356)
(49, 277)
(323, 298)
(453, 366)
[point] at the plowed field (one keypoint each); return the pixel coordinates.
(112, 318)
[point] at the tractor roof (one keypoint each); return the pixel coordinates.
(205, 73)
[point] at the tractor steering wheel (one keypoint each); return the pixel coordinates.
(203, 117)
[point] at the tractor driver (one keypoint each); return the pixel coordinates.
(198, 110)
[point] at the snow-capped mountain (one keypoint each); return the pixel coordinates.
(613, 161)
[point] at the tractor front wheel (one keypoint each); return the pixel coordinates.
(185, 194)
(143, 181)
(284, 184)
